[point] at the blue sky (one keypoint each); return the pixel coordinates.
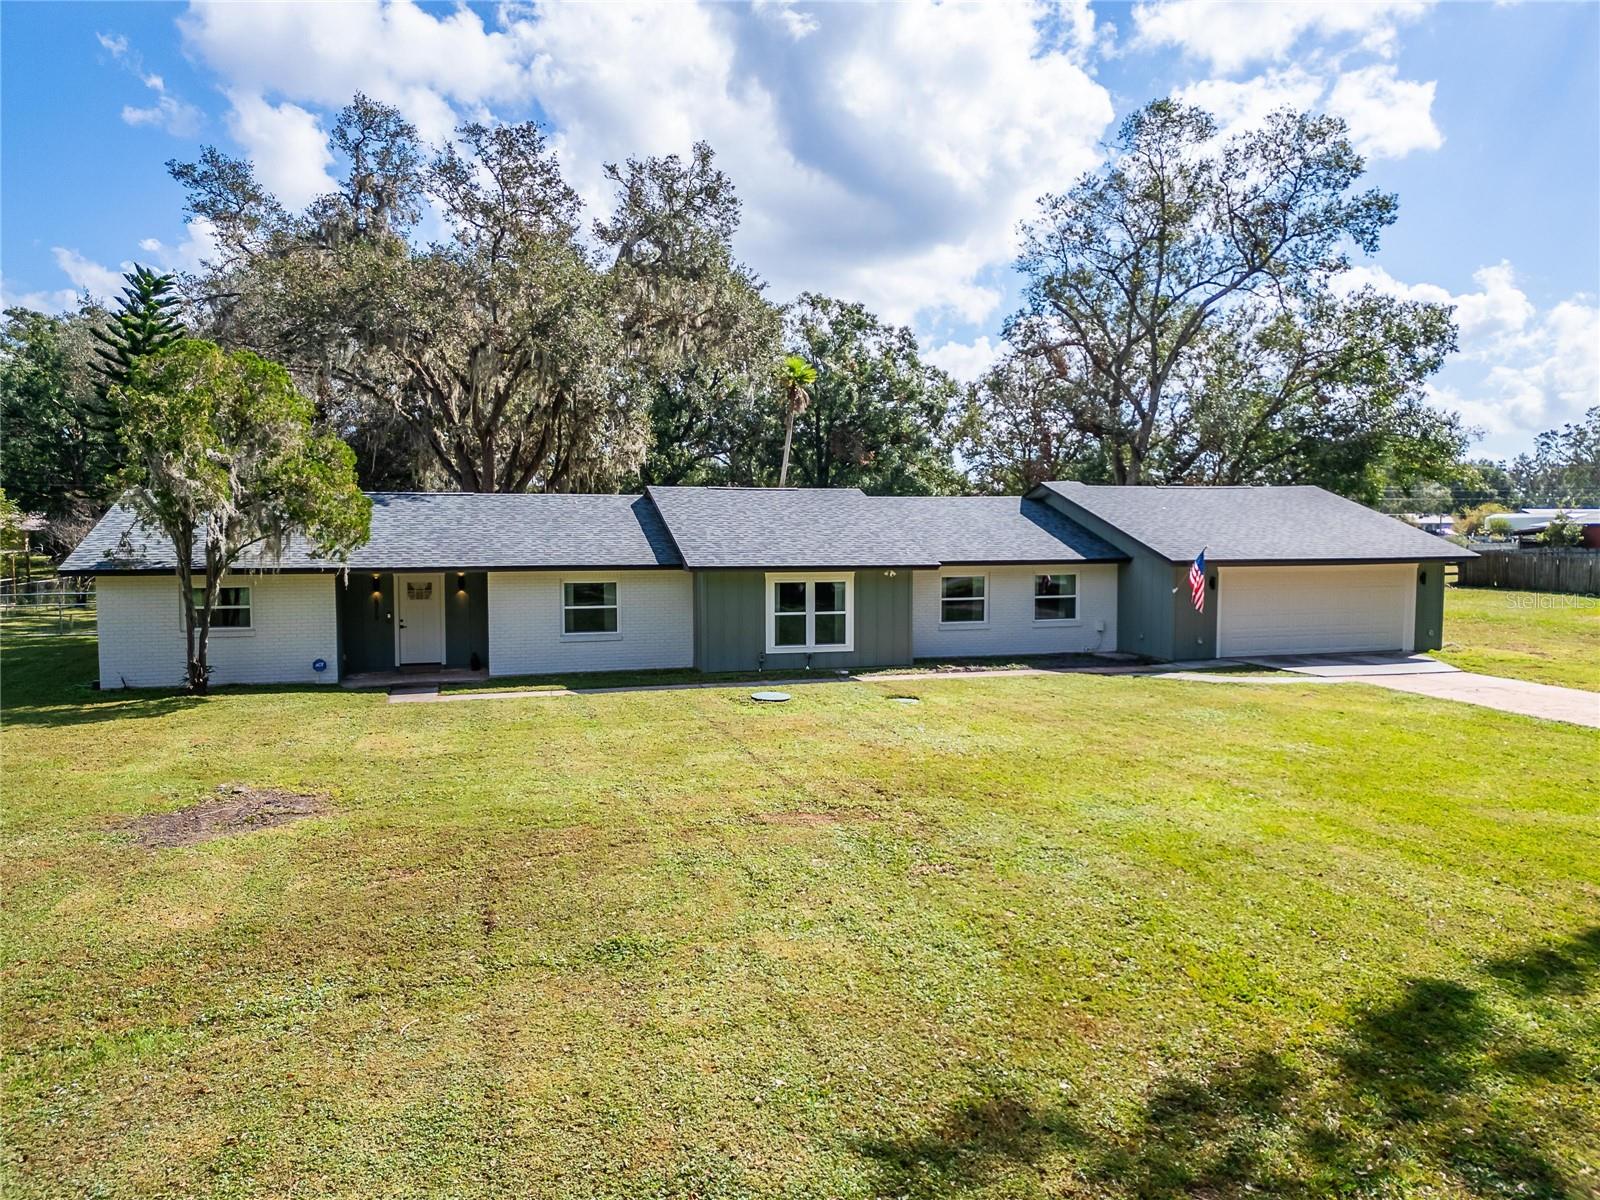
(884, 153)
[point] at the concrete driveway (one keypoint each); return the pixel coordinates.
(1424, 676)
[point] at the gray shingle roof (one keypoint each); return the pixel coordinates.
(842, 527)
(995, 529)
(783, 527)
(1255, 524)
(457, 531)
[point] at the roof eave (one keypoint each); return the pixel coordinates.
(1379, 560)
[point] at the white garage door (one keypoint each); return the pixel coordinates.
(1315, 610)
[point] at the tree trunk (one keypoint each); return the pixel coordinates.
(788, 439)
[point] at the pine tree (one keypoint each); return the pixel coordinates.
(145, 321)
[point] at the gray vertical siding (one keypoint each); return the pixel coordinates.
(1144, 605)
(730, 623)
(366, 622)
(1428, 633)
(466, 618)
(1194, 635)
(1152, 619)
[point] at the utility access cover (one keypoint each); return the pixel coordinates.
(770, 697)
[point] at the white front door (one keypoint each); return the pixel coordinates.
(419, 619)
(1315, 609)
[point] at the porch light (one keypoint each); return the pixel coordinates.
(461, 581)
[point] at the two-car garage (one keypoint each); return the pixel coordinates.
(1290, 570)
(1315, 609)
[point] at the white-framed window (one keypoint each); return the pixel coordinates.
(1055, 597)
(963, 600)
(232, 609)
(809, 614)
(589, 609)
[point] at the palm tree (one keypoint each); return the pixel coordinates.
(795, 375)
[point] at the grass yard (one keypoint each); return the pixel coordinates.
(1041, 936)
(1542, 636)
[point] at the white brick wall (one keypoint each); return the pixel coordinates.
(294, 621)
(655, 623)
(1010, 627)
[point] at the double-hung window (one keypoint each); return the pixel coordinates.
(232, 609)
(1055, 597)
(963, 600)
(588, 609)
(810, 614)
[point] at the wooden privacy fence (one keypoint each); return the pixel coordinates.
(1533, 570)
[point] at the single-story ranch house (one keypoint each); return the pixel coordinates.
(740, 579)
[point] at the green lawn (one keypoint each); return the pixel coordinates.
(1542, 636)
(1034, 936)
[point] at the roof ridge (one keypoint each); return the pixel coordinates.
(521, 495)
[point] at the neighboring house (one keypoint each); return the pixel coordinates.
(1527, 525)
(1438, 524)
(731, 579)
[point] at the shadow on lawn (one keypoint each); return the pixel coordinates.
(48, 682)
(1410, 1089)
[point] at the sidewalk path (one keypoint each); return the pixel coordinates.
(1416, 674)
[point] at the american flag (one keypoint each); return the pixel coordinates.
(1197, 582)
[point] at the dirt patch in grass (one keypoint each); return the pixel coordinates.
(238, 808)
(838, 816)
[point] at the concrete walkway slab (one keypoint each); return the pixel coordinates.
(1572, 705)
(1354, 666)
(1417, 674)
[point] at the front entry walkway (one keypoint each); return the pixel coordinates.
(409, 678)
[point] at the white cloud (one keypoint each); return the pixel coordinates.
(883, 153)
(60, 300)
(426, 65)
(1519, 371)
(887, 162)
(104, 284)
(795, 23)
(198, 245)
(1388, 117)
(286, 144)
(967, 361)
(1232, 34)
(1245, 104)
(101, 282)
(169, 112)
(173, 115)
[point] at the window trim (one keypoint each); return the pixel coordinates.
(983, 622)
(562, 607)
(810, 579)
(227, 631)
(1056, 622)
